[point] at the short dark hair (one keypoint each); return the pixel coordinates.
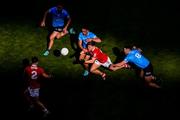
(128, 47)
(34, 59)
(25, 62)
(60, 6)
(91, 43)
(85, 26)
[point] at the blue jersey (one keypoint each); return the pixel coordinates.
(83, 38)
(137, 58)
(58, 18)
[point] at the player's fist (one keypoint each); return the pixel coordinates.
(42, 24)
(89, 40)
(126, 66)
(85, 50)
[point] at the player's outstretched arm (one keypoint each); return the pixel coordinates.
(113, 67)
(46, 75)
(67, 24)
(96, 39)
(117, 66)
(44, 19)
(90, 61)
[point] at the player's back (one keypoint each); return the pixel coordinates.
(137, 58)
(102, 57)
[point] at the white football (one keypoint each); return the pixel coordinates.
(64, 51)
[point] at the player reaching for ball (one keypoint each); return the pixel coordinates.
(86, 36)
(134, 56)
(60, 23)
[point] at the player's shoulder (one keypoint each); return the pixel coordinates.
(134, 51)
(64, 10)
(81, 35)
(91, 33)
(27, 68)
(52, 8)
(97, 49)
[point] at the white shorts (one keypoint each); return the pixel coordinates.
(33, 92)
(106, 64)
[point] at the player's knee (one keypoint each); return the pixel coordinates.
(58, 36)
(91, 70)
(51, 39)
(148, 79)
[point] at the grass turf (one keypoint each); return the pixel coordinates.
(115, 98)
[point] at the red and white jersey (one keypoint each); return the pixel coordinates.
(99, 55)
(34, 74)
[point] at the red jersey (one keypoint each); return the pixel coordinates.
(99, 55)
(34, 74)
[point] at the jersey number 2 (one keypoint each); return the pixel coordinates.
(34, 75)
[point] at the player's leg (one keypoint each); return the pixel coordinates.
(148, 76)
(35, 96)
(29, 99)
(51, 42)
(87, 57)
(86, 66)
(141, 74)
(82, 58)
(94, 69)
(52, 37)
(41, 105)
(61, 34)
(150, 82)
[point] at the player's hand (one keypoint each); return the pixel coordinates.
(65, 30)
(85, 50)
(127, 66)
(111, 67)
(49, 76)
(89, 40)
(43, 24)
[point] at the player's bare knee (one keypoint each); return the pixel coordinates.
(91, 70)
(51, 39)
(58, 36)
(148, 79)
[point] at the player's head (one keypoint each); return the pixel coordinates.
(84, 30)
(34, 60)
(59, 7)
(127, 49)
(91, 45)
(25, 62)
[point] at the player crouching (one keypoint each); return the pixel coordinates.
(98, 58)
